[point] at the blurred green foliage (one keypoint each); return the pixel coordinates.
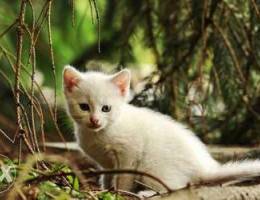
(205, 54)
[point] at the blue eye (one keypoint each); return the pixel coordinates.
(84, 106)
(106, 108)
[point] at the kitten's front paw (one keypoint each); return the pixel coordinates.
(146, 193)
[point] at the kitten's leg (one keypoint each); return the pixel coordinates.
(124, 182)
(106, 181)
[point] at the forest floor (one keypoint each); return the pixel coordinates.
(61, 161)
(73, 162)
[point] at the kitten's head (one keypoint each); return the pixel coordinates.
(94, 99)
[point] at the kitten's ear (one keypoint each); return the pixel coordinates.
(71, 77)
(122, 81)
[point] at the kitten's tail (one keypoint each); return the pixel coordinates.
(233, 171)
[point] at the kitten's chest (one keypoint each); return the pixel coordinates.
(100, 147)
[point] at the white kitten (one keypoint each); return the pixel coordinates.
(141, 138)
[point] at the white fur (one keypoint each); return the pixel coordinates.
(142, 139)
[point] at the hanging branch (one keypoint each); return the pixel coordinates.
(32, 58)
(72, 4)
(24, 115)
(26, 126)
(52, 57)
(40, 20)
(10, 56)
(98, 22)
(150, 31)
(91, 11)
(20, 32)
(256, 8)
(232, 54)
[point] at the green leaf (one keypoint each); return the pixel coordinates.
(109, 196)
(76, 184)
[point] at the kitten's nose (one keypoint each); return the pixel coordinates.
(94, 121)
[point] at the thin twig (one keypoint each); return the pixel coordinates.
(52, 58)
(33, 63)
(150, 30)
(98, 23)
(146, 186)
(8, 28)
(231, 51)
(20, 32)
(131, 194)
(18, 61)
(39, 90)
(91, 11)
(256, 8)
(100, 172)
(72, 3)
(7, 137)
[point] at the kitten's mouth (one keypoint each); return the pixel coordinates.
(94, 127)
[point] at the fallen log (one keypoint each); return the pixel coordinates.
(215, 193)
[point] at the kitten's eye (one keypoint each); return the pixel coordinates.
(106, 108)
(84, 106)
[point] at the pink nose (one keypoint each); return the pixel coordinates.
(94, 121)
